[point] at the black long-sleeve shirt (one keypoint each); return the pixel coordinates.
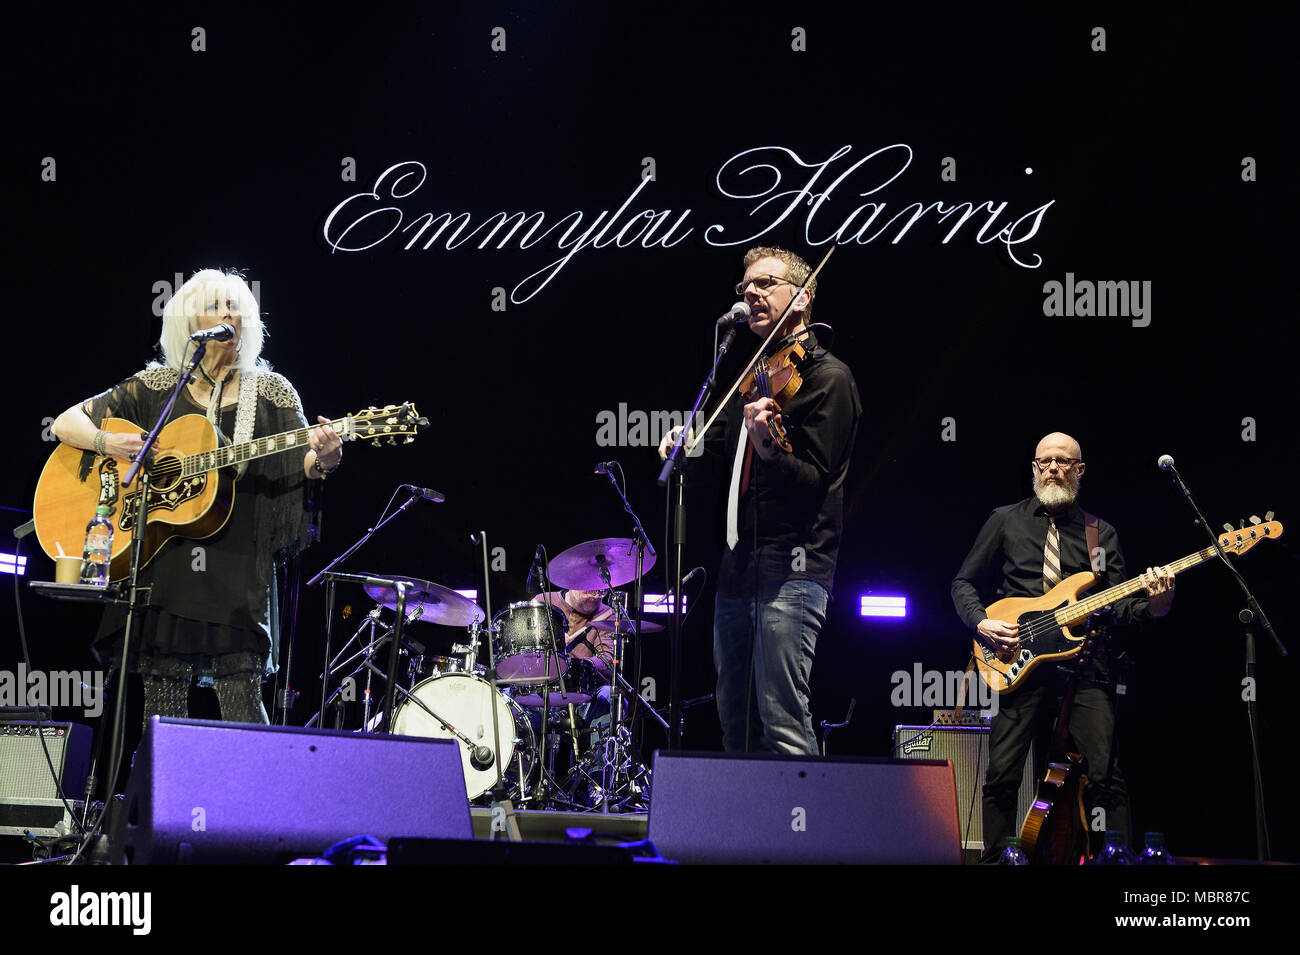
(791, 518)
(1007, 560)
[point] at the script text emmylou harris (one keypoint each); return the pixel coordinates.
(774, 183)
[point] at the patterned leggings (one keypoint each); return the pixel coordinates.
(239, 696)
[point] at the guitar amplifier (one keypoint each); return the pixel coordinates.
(968, 749)
(29, 796)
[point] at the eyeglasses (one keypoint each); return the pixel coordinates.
(1064, 464)
(760, 282)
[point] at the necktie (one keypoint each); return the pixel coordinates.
(738, 464)
(1051, 557)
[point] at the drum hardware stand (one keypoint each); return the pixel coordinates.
(332, 578)
(546, 789)
(499, 794)
(616, 760)
(367, 650)
(619, 732)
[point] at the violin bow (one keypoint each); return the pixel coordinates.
(690, 446)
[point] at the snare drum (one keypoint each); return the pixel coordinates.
(466, 703)
(522, 636)
(582, 681)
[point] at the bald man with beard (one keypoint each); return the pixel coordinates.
(1008, 560)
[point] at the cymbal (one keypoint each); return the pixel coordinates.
(607, 626)
(438, 604)
(579, 567)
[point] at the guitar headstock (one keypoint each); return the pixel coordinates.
(1239, 539)
(391, 422)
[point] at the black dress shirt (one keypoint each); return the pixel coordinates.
(1007, 560)
(791, 517)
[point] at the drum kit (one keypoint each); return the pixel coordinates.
(512, 730)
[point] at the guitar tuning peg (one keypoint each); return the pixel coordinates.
(1228, 527)
(1268, 515)
(1254, 519)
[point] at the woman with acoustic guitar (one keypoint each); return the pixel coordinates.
(210, 611)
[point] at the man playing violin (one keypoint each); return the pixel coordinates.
(784, 518)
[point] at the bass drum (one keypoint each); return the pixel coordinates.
(466, 702)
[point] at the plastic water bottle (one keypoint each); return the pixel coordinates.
(99, 548)
(1115, 851)
(1012, 854)
(1155, 852)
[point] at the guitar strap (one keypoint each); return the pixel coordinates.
(1090, 531)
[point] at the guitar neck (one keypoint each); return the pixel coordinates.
(1074, 613)
(257, 448)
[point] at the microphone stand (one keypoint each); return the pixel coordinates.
(134, 602)
(642, 543)
(328, 575)
(675, 467)
(1246, 616)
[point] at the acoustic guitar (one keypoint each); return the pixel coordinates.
(192, 481)
(1046, 621)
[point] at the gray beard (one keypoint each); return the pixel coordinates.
(1055, 496)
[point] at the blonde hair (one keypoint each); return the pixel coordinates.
(180, 318)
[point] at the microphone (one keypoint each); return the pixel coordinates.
(739, 312)
(604, 467)
(217, 333)
(1166, 462)
(687, 579)
(428, 493)
(533, 584)
(481, 757)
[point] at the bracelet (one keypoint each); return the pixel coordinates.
(315, 466)
(101, 443)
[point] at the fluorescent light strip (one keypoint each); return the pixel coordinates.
(877, 606)
(7, 564)
(651, 604)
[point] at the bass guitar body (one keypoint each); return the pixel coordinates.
(1042, 638)
(193, 506)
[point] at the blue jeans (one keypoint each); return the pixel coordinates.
(774, 706)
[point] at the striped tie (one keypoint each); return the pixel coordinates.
(1051, 557)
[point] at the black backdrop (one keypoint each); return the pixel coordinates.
(167, 159)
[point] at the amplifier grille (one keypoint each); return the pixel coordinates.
(968, 748)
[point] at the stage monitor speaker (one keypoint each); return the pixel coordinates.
(29, 795)
(968, 748)
(726, 808)
(207, 792)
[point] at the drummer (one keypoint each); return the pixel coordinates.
(580, 608)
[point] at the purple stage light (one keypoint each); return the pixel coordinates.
(11, 564)
(658, 603)
(874, 605)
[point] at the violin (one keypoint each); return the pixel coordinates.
(773, 374)
(776, 376)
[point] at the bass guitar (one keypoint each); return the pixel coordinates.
(1046, 621)
(192, 481)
